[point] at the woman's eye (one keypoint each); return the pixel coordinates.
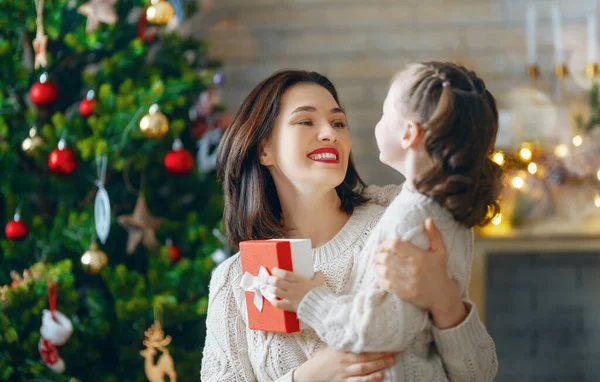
(305, 123)
(339, 124)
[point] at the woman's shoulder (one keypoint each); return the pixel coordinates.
(227, 272)
(382, 195)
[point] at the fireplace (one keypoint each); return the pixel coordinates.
(540, 300)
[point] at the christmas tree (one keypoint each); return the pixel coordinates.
(110, 223)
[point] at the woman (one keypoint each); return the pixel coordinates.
(286, 171)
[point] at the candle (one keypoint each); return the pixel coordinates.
(559, 58)
(531, 21)
(592, 32)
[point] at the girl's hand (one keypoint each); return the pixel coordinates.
(291, 288)
(336, 365)
(421, 277)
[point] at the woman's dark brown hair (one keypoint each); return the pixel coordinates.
(252, 210)
(460, 122)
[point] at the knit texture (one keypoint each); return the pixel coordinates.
(235, 353)
(370, 319)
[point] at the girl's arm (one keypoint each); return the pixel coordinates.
(369, 319)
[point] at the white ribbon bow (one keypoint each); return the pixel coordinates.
(259, 285)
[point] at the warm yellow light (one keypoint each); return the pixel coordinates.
(518, 182)
(525, 153)
(577, 140)
(498, 158)
(598, 175)
(597, 201)
(497, 219)
(532, 168)
(561, 151)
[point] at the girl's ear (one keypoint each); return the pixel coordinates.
(412, 135)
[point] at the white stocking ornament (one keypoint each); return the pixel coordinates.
(55, 331)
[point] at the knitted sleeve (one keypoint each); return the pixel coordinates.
(225, 355)
(467, 350)
(368, 319)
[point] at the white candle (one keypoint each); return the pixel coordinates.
(557, 36)
(531, 24)
(592, 33)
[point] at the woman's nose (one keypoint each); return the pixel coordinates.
(328, 133)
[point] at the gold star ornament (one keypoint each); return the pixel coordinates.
(98, 11)
(141, 226)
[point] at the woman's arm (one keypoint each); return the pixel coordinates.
(466, 348)
(225, 356)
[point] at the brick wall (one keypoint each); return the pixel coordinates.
(359, 44)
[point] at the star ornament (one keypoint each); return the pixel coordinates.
(98, 11)
(141, 226)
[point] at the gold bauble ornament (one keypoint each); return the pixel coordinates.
(160, 12)
(154, 124)
(94, 259)
(32, 143)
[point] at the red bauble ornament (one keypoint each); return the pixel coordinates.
(86, 107)
(179, 161)
(43, 93)
(62, 160)
(16, 230)
(174, 253)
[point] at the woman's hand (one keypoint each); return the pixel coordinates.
(421, 277)
(336, 365)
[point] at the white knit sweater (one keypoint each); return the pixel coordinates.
(370, 319)
(235, 353)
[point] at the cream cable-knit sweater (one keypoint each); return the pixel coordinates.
(235, 353)
(370, 319)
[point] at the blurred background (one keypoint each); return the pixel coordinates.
(537, 266)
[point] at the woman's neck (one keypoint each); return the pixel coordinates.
(314, 216)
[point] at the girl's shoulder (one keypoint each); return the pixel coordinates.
(382, 195)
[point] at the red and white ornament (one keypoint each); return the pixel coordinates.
(44, 92)
(178, 161)
(174, 251)
(55, 331)
(62, 160)
(199, 128)
(88, 105)
(16, 230)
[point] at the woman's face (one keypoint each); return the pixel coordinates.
(309, 146)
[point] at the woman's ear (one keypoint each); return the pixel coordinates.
(264, 153)
(412, 135)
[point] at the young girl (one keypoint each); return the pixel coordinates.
(438, 129)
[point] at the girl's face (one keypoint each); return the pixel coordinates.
(309, 146)
(391, 127)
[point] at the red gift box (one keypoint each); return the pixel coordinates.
(259, 257)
